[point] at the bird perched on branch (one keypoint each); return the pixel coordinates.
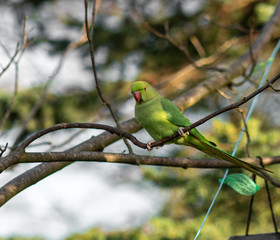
(161, 118)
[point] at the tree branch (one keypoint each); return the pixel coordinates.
(17, 51)
(12, 188)
(86, 156)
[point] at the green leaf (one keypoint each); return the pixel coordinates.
(241, 183)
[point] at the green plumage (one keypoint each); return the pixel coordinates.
(161, 118)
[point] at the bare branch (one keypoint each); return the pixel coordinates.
(44, 92)
(17, 50)
(135, 159)
(247, 77)
(30, 177)
(89, 36)
(273, 88)
(20, 50)
(110, 129)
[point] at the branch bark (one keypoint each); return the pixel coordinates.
(86, 156)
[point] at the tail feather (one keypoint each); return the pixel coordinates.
(219, 154)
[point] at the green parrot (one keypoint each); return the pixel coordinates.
(161, 118)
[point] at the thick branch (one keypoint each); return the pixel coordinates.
(45, 169)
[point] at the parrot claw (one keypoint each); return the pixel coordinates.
(149, 147)
(181, 132)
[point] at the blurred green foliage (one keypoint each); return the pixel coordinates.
(189, 191)
(80, 106)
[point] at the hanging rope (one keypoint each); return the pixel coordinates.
(269, 201)
(250, 210)
(264, 77)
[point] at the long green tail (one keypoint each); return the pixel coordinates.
(219, 154)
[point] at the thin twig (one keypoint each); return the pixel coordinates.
(42, 97)
(56, 127)
(247, 77)
(17, 50)
(252, 57)
(24, 46)
(273, 88)
(93, 14)
(89, 36)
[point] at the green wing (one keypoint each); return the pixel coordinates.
(173, 114)
(177, 118)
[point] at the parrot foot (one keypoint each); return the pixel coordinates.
(181, 132)
(149, 147)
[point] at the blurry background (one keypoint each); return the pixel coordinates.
(114, 201)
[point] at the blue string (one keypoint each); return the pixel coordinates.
(264, 77)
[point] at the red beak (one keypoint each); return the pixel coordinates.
(137, 96)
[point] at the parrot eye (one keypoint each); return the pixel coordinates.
(144, 88)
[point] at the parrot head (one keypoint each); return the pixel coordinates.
(143, 92)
